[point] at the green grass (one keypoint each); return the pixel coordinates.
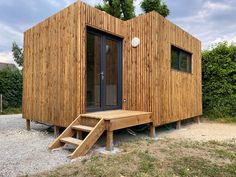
(11, 111)
(198, 166)
(227, 120)
(222, 119)
(225, 154)
(164, 158)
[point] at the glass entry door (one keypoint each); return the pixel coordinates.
(104, 71)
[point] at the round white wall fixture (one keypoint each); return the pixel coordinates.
(135, 42)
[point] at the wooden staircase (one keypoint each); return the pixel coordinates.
(93, 126)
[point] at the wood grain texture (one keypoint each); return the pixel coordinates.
(50, 81)
(89, 141)
(54, 84)
(109, 141)
(67, 133)
(151, 85)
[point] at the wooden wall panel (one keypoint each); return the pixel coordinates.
(55, 63)
(54, 85)
(140, 64)
(50, 69)
(152, 85)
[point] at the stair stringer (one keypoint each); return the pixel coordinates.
(90, 140)
(66, 133)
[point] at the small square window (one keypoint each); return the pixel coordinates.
(180, 59)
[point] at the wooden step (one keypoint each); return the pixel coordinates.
(71, 140)
(88, 121)
(90, 140)
(95, 127)
(68, 132)
(82, 128)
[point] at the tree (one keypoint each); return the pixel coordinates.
(219, 81)
(17, 54)
(155, 5)
(123, 9)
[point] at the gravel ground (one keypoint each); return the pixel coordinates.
(205, 131)
(25, 152)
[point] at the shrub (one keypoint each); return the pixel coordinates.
(11, 87)
(219, 81)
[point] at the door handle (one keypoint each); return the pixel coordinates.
(102, 75)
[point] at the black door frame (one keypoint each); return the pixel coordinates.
(119, 42)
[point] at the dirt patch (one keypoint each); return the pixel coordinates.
(205, 131)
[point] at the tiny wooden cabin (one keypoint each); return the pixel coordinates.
(83, 60)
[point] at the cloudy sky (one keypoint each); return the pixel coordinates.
(209, 20)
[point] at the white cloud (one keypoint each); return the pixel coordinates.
(10, 30)
(216, 6)
(6, 57)
(209, 20)
(229, 39)
(8, 35)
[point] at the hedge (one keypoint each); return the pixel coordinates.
(11, 87)
(219, 81)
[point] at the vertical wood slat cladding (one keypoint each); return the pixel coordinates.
(54, 85)
(55, 62)
(153, 86)
(50, 69)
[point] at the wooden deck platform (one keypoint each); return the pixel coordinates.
(95, 124)
(115, 114)
(118, 119)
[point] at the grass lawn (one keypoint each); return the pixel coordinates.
(226, 120)
(165, 157)
(11, 111)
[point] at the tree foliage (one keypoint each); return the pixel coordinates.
(11, 87)
(219, 81)
(17, 54)
(155, 5)
(123, 9)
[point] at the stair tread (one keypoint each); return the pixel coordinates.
(83, 128)
(71, 140)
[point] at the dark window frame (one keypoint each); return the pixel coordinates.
(104, 36)
(179, 51)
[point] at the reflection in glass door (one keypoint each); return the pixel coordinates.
(93, 71)
(111, 73)
(103, 71)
